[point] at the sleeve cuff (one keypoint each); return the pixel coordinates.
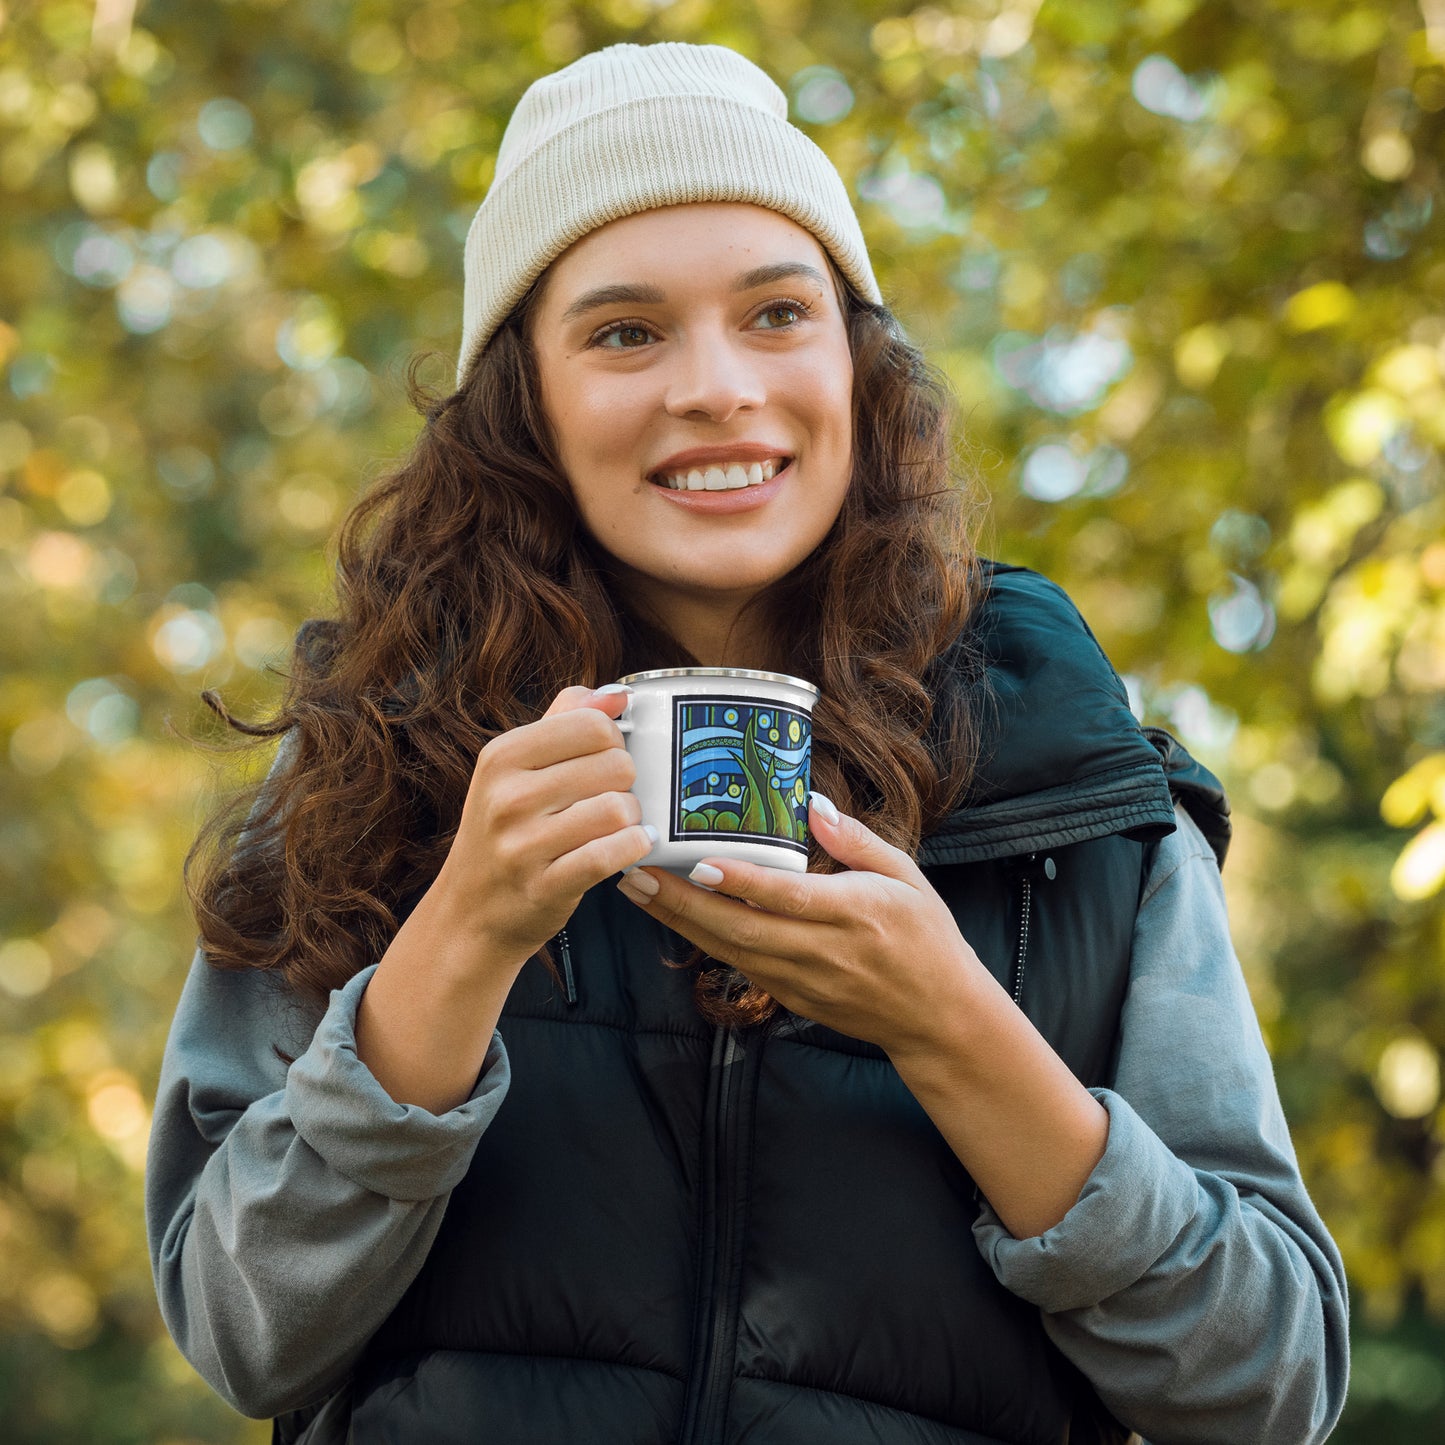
(1131, 1208)
(397, 1150)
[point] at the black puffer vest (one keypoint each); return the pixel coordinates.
(676, 1235)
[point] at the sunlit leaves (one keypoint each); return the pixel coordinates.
(1183, 264)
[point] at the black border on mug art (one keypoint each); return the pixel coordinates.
(699, 699)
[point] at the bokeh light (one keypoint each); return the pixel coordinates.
(1183, 267)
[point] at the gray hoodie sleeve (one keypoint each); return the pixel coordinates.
(1193, 1281)
(288, 1208)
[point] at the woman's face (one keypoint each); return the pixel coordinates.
(698, 344)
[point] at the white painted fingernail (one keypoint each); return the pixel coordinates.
(707, 875)
(639, 882)
(607, 689)
(651, 833)
(824, 806)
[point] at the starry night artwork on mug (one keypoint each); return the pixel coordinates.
(740, 769)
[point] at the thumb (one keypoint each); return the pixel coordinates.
(854, 844)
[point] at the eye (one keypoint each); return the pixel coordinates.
(626, 333)
(783, 313)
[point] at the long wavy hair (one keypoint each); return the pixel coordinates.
(469, 595)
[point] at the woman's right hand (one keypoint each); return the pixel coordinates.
(548, 814)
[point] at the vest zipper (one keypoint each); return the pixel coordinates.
(712, 1370)
(1021, 953)
(566, 950)
(1028, 871)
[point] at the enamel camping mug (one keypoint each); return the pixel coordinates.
(722, 758)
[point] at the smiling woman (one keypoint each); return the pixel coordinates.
(663, 394)
(956, 1138)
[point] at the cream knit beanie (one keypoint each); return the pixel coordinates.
(631, 128)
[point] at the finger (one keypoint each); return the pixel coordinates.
(568, 700)
(582, 868)
(587, 819)
(855, 845)
(610, 699)
(815, 897)
(726, 928)
(555, 788)
(572, 733)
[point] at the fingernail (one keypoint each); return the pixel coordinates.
(639, 886)
(607, 689)
(824, 806)
(707, 875)
(651, 833)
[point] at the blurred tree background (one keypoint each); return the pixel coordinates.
(1183, 264)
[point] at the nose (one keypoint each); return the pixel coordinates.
(715, 378)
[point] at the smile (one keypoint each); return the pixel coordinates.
(731, 478)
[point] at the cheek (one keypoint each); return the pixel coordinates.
(834, 387)
(597, 421)
(603, 408)
(839, 412)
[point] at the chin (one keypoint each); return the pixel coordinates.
(731, 581)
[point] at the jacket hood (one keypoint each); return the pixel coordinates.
(1063, 759)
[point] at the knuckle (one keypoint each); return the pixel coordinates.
(536, 892)
(749, 934)
(623, 810)
(508, 852)
(507, 796)
(875, 920)
(598, 728)
(793, 897)
(566, 700)
(492, 757)
(510, 741)
(723, 947)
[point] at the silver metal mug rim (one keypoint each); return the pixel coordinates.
(747, 672)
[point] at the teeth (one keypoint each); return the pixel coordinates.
(731, 478)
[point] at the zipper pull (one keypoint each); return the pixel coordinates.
(566, 950)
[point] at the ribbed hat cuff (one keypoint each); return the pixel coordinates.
(643, 154)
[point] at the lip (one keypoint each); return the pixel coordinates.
(744, 499)
(706, 456)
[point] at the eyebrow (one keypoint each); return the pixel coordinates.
(643, 294)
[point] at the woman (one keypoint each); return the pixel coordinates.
(966, 1135)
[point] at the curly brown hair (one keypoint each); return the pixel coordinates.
(469, 594)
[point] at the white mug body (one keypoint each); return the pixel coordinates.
(722, 757)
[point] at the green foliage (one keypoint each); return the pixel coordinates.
(1183, 265)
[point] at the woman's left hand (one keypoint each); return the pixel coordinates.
(872, 952)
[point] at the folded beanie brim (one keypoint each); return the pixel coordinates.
(641, 155)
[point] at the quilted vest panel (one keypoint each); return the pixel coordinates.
(620, 1208)
(678, 1234)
